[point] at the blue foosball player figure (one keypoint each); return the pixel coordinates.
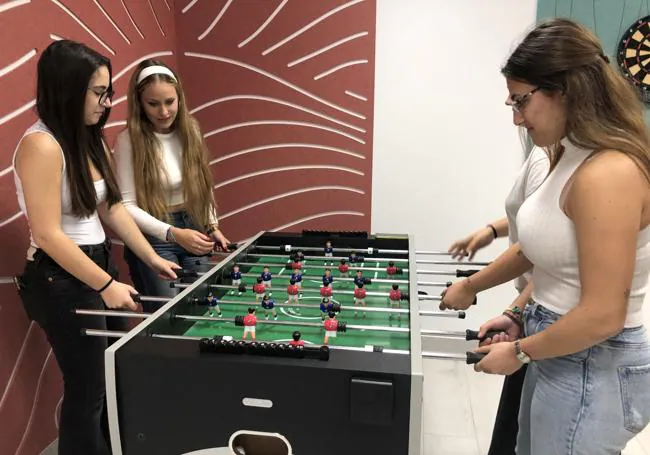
(269, 304)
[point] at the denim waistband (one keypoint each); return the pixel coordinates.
(635, 335)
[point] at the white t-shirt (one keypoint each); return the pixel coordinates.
(531, 175)
(171, 150)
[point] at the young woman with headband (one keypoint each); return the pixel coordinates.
(164, 176)
(66, 188)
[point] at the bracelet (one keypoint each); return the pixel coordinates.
(211, 229)
(494, 231)
(517, 320)
(170, 235)
(106, 285)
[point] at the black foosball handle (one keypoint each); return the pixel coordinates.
(465, 273)
(471, 335)
(473, 357)
(184, 273)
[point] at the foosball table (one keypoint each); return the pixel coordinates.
(306, 344)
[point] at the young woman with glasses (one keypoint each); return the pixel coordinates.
(66, 188)
(585, 235)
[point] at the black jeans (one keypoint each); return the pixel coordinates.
(49, 295)
(506, 423)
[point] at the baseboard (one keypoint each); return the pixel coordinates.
(52, 449)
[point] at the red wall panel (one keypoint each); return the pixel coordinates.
(125, 31)
(284, 94)
(281, 120)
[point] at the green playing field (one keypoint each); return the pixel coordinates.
(313, 335)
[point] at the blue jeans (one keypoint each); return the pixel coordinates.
(588, 403)
(145, 280)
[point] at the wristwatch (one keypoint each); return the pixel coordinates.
(521, 355)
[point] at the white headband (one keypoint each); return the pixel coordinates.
(155, 69)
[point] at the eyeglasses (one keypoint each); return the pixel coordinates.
(103, 94)
(518, 102)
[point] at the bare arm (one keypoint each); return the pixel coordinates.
(522, 298)
(508, 266)
(501, 226)
(121, 222)
(477, 240)
(39, 165)
(605, 203)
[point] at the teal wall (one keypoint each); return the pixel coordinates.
(607, 18)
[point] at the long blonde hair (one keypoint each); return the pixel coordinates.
(603, 110)
(148, 171)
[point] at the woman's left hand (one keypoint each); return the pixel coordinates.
(220, 239)
(501, 358)
(164, 268)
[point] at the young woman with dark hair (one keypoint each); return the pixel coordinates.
(163, 172)
(585, 234)
(66, 188)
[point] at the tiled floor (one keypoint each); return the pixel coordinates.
(470, 401)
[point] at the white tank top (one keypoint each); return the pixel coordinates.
(82, 231)
(547, 238)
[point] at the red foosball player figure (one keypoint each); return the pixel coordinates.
(250, 321)
(326, 291)
(297, 265)
(296, 341)
(259, 289)
(391, 269)
(331, 326)
(359, 298)
(292, 295)
(300, 256)
(394, 298)
(343, 269)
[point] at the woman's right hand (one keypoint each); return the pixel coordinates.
(510, 330)
(471, 244)
(119, 296)
(193, 241)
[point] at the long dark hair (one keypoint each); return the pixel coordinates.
(64, 71)
(603, 110)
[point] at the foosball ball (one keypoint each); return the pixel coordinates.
(300, 343)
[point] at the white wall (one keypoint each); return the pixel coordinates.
(445, 149)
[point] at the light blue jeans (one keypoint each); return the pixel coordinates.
(588, 403)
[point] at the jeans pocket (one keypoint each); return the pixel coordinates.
(635, 396)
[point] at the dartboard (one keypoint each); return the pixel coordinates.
(634, 56)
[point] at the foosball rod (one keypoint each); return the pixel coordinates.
(469, 357)
(442, 314)
(309, 266)
(188, 317)
(316, 277)
(436, 298)
(289, 248)
(303, 305)
(350, 280)
(173, 284)
(467, 335)
(458, 273)
(373, 259)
